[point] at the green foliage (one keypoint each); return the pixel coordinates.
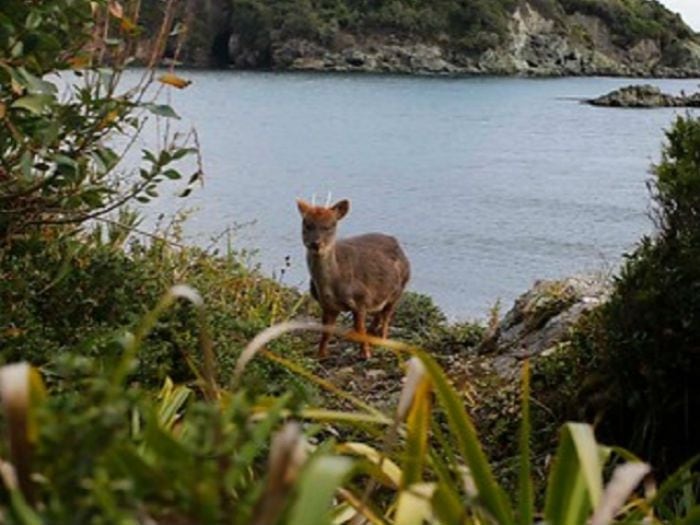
(461, 26)
(643, 342)
(76, 294)
(58, 161)
(417, 313)
(633, 20)
(469, 25)
(424, 479)
(125, 455)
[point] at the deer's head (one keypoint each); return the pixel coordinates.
(319, 224)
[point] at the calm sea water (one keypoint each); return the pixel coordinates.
(489, 183)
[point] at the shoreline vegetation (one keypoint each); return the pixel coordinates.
(144, 381)
(638, 38)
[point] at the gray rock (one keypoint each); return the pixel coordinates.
(644, 96)
(540, 319)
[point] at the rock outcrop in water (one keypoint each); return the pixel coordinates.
(532, 37)
(645, 96)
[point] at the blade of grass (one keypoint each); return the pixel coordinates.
(625, 479)
(133, 343)
(21, 389)
(23, 513)
(414, 504)
(447, 504)
(575, 482)
(318, 484)
(390, 471)
(417, 427)
(526, 497)
(491, 495)
(366, 511)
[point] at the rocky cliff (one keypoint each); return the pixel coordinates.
(507, 37)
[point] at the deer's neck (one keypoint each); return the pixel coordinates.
(323, 266)
(326, 275)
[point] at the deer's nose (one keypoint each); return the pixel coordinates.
(314, 245)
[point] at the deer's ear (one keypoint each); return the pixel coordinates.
(341, 209)
(303, 206)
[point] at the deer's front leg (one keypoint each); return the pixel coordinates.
(359, 316)
(328, 319)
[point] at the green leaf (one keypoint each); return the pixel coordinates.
(182, 152)
(491, 495)
(575, 483)
(414, 504)
(172, 399)
(161, 110)
(149, 156)
(33, 20)
(37, 85)
(172, 174)
(34, 103)
(316, 490)
(63, 160)
(526, 498)
(26, 164)
(417, 427)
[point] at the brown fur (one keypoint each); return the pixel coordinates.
(364, 275)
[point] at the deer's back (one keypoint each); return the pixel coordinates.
(374, 269)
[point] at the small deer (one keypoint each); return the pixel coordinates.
(365, 275)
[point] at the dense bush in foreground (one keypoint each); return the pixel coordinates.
(647, 341)
(119, 454)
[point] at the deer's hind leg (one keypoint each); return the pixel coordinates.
(376, 324)
(385, 316)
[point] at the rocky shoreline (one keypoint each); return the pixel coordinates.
(575, 45)
(532, 51)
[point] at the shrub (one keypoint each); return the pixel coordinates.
(418, 314)
(645, 343)
(60, 164)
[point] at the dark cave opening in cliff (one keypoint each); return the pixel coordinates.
(219, 49)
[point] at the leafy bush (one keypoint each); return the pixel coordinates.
(59, 163)
(644, 341)
(418, 314)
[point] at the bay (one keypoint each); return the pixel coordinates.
(489, 183)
